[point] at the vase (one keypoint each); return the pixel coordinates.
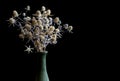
(41, 71)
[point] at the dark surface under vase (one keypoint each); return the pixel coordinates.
(40, 67)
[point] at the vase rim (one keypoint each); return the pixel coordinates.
(45, 52)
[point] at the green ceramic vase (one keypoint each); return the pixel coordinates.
(41, 71)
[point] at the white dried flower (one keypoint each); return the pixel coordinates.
(42, 38)
(39, 22)
(48, 12)
(34, 21)
(28, 27)
(70, 28)
(57, 30)
(44, 14)
(12, 21)
(25, 31)
(40, 28)
(15, 13)
(38, 13)
(24, 14)
(50, 30)
(56, 20)
(29, 35)
(29, 49)
(54, 38)
(21, 36)
(43, 8)
(28, 8)
(27, 19)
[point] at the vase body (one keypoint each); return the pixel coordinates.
(41, 71)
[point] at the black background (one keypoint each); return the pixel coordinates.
(71, 58)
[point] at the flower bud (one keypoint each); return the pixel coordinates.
(12, 21)
(28, 8)
(15, 13)
(56, 20)
(43, 8)
(48, 12)
(28, 27)
(21, 36)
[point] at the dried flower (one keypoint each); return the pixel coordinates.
(29, 49)
(40, 28)
(15, 13)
